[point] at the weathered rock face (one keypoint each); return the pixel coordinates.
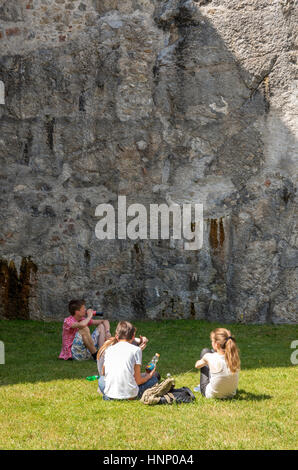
(161, 101)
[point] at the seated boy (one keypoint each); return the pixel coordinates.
(122, 378)
(77, 341)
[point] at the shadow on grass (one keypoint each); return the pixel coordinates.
(32, 349)
(243, 395)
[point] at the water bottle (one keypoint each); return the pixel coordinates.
(96, 313)
(150, 366)
(91, 378)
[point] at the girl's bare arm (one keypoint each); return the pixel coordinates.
(201, 363)
(142, 379)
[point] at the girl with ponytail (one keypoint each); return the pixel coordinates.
(119, 363)
(141, 342)
(219, 366)
(101, 352)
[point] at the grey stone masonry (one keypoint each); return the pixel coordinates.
(162, 101)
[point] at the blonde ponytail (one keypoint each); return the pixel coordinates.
(110, 342)
(227, 343)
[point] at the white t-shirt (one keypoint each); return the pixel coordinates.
(223, 383)
(119, 364)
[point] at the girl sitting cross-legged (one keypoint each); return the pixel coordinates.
(220, 366)
(119, 363)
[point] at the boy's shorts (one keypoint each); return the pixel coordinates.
(79, 351)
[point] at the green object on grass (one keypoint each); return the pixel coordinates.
(92, 377)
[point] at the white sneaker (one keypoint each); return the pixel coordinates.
(197, 388)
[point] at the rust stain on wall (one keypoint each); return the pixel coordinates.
(213, 234)
(15, 289)
(217, 234)
(221, 233)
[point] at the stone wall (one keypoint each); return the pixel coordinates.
(160, 101)
(33, 23)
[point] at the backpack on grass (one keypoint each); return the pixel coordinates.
(177, 395)
(165, 393)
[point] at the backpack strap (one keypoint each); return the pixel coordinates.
(152, 395)
(169, 397)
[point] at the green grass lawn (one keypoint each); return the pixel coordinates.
(48, 404)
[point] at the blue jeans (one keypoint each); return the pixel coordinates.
(146, 385)
(142, 388)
